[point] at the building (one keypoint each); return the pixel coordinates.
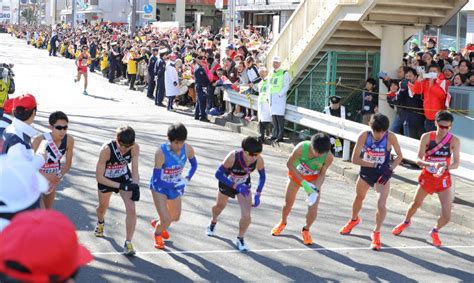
(5, 12)
(269, 13)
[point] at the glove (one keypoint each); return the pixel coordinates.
(256, 200)
(308, 187)
(243, 189)
(135, 193)
(182, 184)
(312, 198)
(386, 173)
(129, 186)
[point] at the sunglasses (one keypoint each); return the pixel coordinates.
(444, 127)
(60, 128)
(253, 154)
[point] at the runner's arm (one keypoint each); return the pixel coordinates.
(100, 169)
(456, 148)
(394, 142)
(223, 168)
(135, 157)
(156, 181)
(356, 159)
(69, 155)
(192, 160)
(261, 174)
(425, 139)
(297, 152)
(322, 173)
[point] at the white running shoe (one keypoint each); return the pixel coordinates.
(211, 231)
(241, 245)
(128, 248)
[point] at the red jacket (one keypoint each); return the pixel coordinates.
(434, 97)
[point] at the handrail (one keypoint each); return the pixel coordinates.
(311, 71)
(348, 130)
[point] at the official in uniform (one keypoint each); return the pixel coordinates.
(336, 109)
(201, 83)
(151, 73)
(160, 68)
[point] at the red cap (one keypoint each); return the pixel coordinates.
(27, 101)
(44, 242)
(8, 106)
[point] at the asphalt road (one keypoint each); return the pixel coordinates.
(190, 254)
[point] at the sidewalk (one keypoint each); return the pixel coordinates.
(403, 183)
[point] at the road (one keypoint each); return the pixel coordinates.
(191, 255)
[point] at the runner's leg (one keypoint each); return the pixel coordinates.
(445, 198)
(291, 190)
(48, 200)
(85, 80)
(161, 206)
(313, 210)
(416, 203)
(384, 191)
(104, 199)
(361, 191)
(221, 203)
(131, 214)
(245, 213)
(174, 208)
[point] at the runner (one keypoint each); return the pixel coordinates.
(434, 155)
(82, 62)
(372, 153)
(167, 185)
(307, 166)
(58, 144)
(234, 180)
(114, 175)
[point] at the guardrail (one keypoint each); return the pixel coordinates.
(347, 130)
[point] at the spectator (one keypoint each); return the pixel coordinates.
(464, 67)
(432, 47)
(448, 71)
(370, 100)
(414, 49)
(336, 109)
(54, 43)
(279, 85)
(254, 78)
(459, 80)
(51, 253)
(434, 90)
(171, 81)
(470, 79)
(264, 113)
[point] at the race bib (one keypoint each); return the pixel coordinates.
(374, 156)
(238, 179)
(304, 170)
(50, 168)
(172, 175)
(115, 171)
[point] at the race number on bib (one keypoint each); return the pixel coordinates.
(115, 171)
(304, 170)
(172, 175)
(238, 179)
(50, 168)
(373, 156)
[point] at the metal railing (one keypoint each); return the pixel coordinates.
(348, 130)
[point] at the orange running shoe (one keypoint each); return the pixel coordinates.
(165, 233)
(349, 226)
(307, 237)
(159, 243)
(376, 245)
(399, 228)
(435, 238)
(276, 231)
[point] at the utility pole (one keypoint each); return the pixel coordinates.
(133, 20)
(232, 20)
(73, 11)
(19, 11)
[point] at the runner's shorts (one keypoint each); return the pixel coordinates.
(433, 184)
(309, 178)
(82, 70)
(169, 193)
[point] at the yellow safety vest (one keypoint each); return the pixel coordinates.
(262, 91)
(276, 83)
(3, 92)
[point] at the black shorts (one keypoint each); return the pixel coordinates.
(230, 192)
(105, 189)
(371, 178)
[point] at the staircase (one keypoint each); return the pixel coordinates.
(327, 39)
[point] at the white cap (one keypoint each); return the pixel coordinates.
(164, 50)
(277, 59)
(20, 182)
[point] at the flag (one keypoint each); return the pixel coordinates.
(227, 84)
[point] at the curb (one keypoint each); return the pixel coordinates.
(403, 191)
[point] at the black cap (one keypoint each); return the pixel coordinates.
(155, 49)
(335, 99)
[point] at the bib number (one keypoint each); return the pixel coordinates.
(304, 170)
(115, 171)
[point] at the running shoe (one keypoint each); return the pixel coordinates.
(211, 230)
(276, 231)
(241, 245)
(376, 244)
(349, 226)
(399, 228)
(307, 240)
(165, 233)
(128, 248)
(99, 229)
(85, 93)
(159, 243)
(435, 238)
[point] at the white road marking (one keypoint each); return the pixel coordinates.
(308, 249)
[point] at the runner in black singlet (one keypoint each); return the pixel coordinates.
(57, 143)
(114, 175)
(234, 180)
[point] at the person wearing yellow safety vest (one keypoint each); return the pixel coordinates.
(335, 109)
(278, 87)
(263, 109)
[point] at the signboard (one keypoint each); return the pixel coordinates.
(148, 9)
(159, 27)
(147, 16)
(5, 16)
